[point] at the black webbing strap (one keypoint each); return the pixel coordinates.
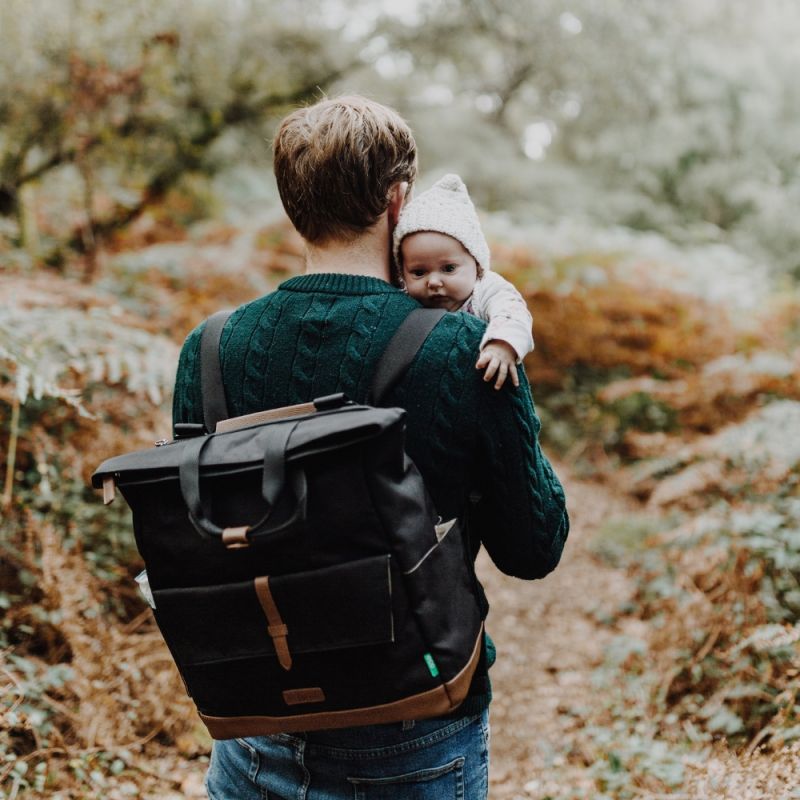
(400, 351)
(215, 407)
(396, 359)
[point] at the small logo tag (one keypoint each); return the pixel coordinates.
(296, 697)
(431, 664)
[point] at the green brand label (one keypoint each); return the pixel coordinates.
(434, 670)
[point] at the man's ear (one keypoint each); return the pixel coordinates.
(397, 198)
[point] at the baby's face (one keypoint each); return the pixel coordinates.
(438, 271)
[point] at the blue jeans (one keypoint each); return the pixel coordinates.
(427, 760)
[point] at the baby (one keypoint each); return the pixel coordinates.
(444, 263)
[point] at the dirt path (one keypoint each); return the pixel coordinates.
(549, 644)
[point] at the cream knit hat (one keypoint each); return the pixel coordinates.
(445, 208)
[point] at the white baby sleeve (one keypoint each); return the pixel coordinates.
(498, 302)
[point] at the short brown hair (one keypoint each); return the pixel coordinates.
(335, 163)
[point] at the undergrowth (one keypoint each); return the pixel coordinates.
(722, 595)
(89, 694)
(88, 691)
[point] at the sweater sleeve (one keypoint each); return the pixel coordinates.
(521, 517)
(497, 301)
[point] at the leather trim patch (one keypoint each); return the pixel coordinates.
(297, 697)
(258, 417)
(234, 538)
(109, 489)
(440, 700)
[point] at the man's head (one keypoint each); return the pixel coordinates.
(336, 164)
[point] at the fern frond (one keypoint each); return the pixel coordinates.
(63, 352)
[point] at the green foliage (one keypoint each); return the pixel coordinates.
(588, 114)
(628, 758)
(733, 642)
(105, 109)
(575, 421)
(60, 353)
(644, 413)
(73, 380)
(628, 750)
(618, 538)
(571, 413)
(29, 707)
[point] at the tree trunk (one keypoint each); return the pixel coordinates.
(87, 230)
(26, 221)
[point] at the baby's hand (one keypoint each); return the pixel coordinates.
(501, 358)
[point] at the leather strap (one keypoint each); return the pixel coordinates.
(268, 415)
(215, 407)
(401, 350)
(275, 627)
(109, 489)
(236, 537)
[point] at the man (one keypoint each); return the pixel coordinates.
(344, 168)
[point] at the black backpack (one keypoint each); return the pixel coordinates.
(300, 575)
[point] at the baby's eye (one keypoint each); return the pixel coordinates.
(450, 267)
(417, 273)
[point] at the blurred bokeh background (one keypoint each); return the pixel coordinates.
(637, 168)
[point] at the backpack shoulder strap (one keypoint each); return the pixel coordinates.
(400, 351)
(215, 407)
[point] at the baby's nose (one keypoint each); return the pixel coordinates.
(434, 280)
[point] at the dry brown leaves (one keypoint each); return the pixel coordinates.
(125, 685)
(617, 325)
(125, 696)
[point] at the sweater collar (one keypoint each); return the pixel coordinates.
(338, 283)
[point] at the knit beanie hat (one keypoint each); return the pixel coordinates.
(445, 208)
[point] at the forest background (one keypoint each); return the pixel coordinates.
(637, 165)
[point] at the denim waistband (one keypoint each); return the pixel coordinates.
(379, 741)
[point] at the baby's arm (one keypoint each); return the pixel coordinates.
(508, 338)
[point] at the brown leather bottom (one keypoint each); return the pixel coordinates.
(440, 700)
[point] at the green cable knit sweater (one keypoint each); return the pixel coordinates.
(323, 333)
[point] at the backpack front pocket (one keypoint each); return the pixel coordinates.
(343, 606)
(328, 640)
